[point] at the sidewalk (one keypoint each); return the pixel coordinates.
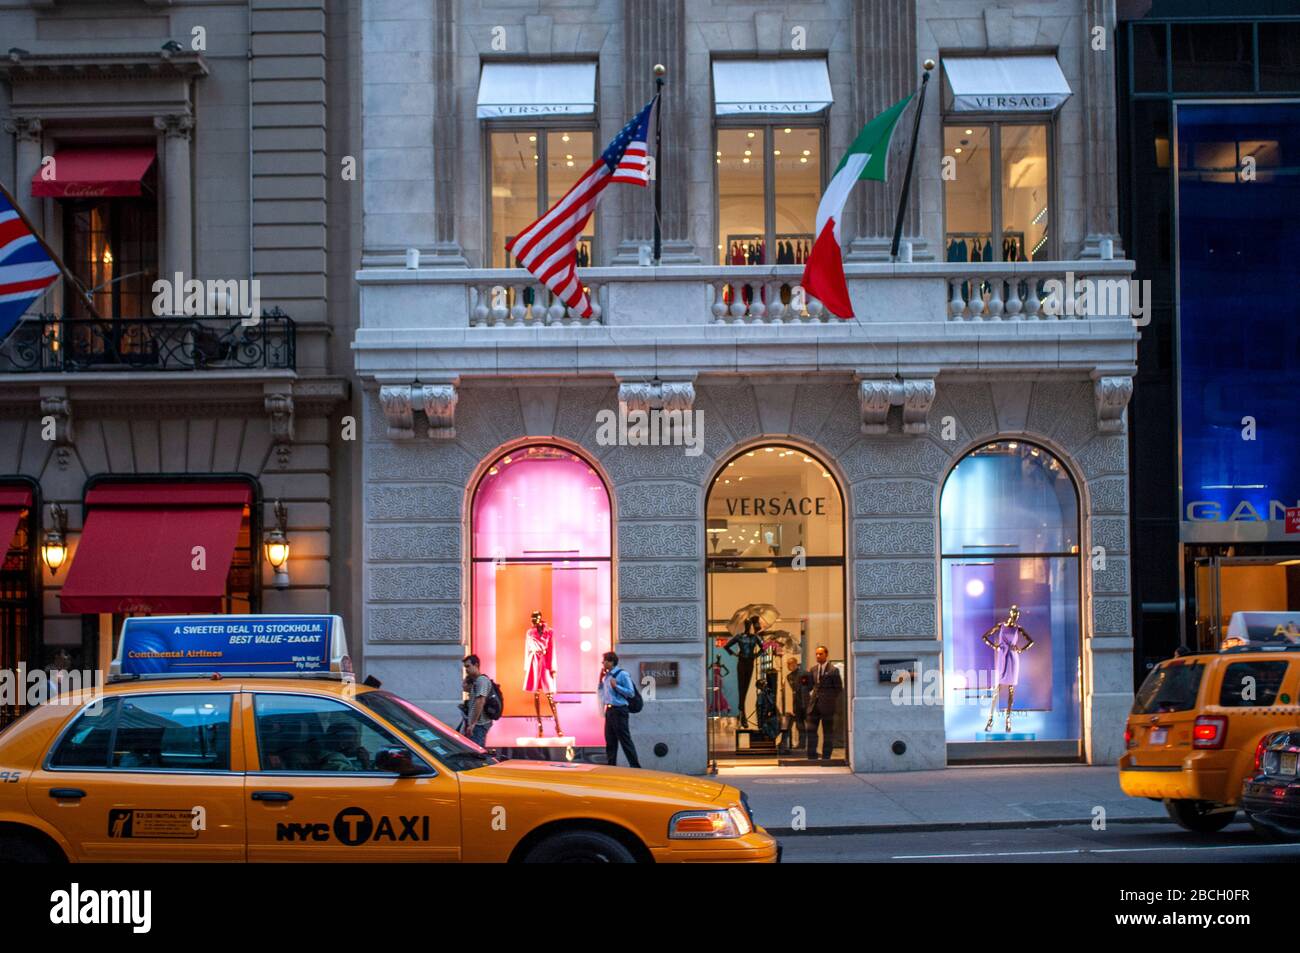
(836, 801)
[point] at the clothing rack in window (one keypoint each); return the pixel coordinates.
(979, 246)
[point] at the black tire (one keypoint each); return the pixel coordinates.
(1200, 817)
(21, 849)
(579, 847)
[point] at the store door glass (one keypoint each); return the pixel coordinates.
(775, 575)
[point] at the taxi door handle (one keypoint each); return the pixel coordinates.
(272, 796)
(67, 794)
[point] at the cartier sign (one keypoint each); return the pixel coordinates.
(776, 506)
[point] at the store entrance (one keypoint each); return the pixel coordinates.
(774, 569)
(1224, 580)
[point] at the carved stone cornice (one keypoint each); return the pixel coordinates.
(175, 125)
(395, 399)
(1112, 396)
(439, 402)
(657, 395)
(80, 67)
(914, 394)
(279, 406)
(24, 129)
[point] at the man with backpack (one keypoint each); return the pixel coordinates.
(483, 706)
(620, 697)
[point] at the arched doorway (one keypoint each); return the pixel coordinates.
(540, 528)
(775, 552)
(1010, 527)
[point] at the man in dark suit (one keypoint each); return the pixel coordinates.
(827, 687)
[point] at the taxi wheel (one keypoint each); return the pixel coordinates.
(1199, 816)
(580, 847)
(17, 849)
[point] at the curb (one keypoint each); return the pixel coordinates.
(923, 828)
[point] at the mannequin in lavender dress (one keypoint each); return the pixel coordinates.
(1007, 640)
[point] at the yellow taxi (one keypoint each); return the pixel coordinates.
(1199, 724)
(240, 760)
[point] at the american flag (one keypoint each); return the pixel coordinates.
(548, 247)
(26, 268)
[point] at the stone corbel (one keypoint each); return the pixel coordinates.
(279, 406)
(1112, 397)
(440, 408)
(56, 423)
(395, 399)
(645, 396)
(914, 395)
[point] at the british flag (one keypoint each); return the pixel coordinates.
(26, 268)
(548, 247)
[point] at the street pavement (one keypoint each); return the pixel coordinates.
(830, 800)
(1071, 844)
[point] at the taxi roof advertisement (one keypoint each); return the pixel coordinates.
(190, 645)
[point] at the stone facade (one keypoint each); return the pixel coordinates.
(417, 491)
(253, 183)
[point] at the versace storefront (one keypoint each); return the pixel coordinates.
(968, 594)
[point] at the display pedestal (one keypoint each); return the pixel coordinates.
(553, 741)
(1006, 736)
(751, 739)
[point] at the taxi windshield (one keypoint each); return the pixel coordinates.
(451, 748)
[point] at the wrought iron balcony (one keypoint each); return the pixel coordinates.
(50, 344)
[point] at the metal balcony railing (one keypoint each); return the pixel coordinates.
(51, 344)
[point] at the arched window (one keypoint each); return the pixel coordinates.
(540, 526)
(1009, 525)
(775, 553)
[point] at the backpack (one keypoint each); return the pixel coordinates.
(634, 702)
(495, 705)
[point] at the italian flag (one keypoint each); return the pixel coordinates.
(823, 275)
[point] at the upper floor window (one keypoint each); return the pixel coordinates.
(768, 153)
(111, 245)
(998, 155)
(540, 128)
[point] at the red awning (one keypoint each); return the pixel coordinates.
(88, 172)
(136, 552)
(13, 500)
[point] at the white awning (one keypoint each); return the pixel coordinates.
(1000, 84)
(771, 87)
(508, 90)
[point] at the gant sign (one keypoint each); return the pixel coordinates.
(1212, 511)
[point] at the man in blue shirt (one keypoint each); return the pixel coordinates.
(615, 689)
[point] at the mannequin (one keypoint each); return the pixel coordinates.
(718, 704)
(750, 644)
(539, 668)
(1007, 640)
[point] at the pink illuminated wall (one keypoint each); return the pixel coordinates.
(544, 508)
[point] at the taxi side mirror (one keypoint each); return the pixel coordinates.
(399, 761)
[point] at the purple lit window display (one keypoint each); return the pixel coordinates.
(1009, 523)
(540, 525)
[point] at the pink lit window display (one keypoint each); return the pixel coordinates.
(540, 525)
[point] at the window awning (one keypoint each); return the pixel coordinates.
(513, 90)
(95, 172)
(13, 500)
(771, 87)
(1017, 84)
(136, 552)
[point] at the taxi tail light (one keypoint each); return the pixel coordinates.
(1128, 737)
(1210, 731)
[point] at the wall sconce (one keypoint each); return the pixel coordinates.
(54, 547)
(277, 546)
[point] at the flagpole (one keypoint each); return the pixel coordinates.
(50, 251)
(660, 70)
(911, 159)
